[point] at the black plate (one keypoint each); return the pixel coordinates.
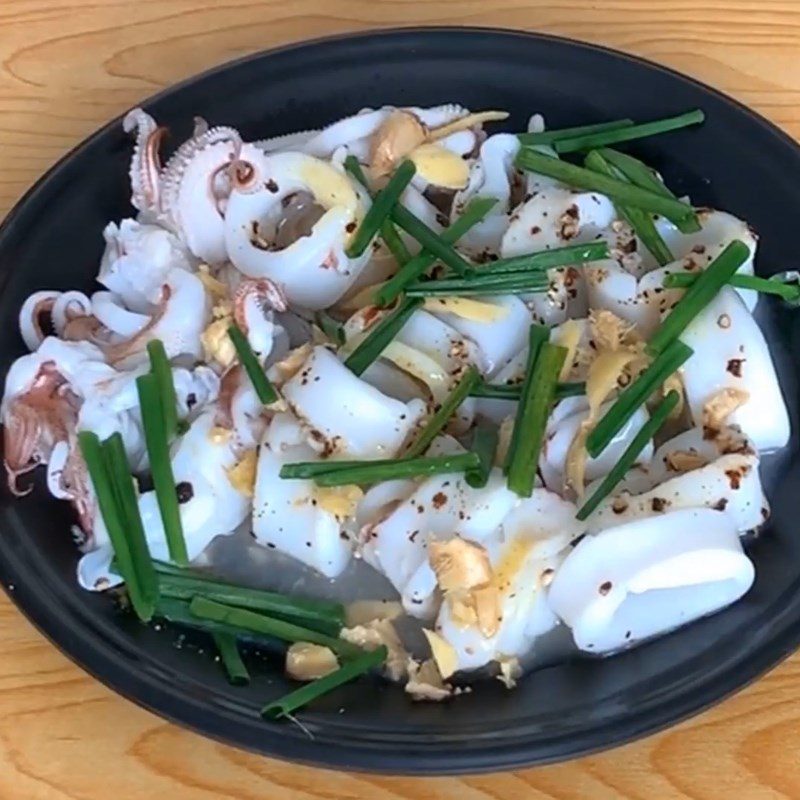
(737, 161)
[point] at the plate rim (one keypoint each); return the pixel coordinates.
(97, 656)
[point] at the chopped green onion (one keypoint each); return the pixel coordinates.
(621, 191)
(264, 389)
(475, 211)
(375, 342)
(638, 173)
(448, 407)
(177, 612)
(206, 609)
(532, 413)
(632, 451)
(788, 291)
(549, 259)
(635, 395)
(514, 391)
(380, 209)
(641, 221)
(231, 659)
(589, 141)
(128, 503)
(160, 466)
(698, 295)
(140, 592)
(320, 615)
(389, 234)
(557, 134)
(486, 284)
(289, 703)
(342, 473)
(484, 443)
(332, 328)
(430, 240)
(159, 363)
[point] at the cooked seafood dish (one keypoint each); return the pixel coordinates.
(409, 395)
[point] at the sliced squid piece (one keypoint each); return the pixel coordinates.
(346, 416)
(210, 505)
(561, 432)
(523, 560)
(695, 251)
(491, 175)
(306, 255)
(498, 339)
(731, 354)
(295, 516)
(689, 471)
(555, 217)
(645, 578)
(440, 507)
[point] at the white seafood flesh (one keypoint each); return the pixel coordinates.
(648, 577)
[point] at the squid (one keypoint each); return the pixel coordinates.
(213, 500)
(54, 309)
(731, 376)
(689, 471)
(361, 423)
(644, 578)
(302, 251)
(523, 559)
(294, 516)
(439, 507)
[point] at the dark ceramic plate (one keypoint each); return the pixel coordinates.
(736, 161)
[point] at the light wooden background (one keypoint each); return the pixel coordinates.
(68, 66)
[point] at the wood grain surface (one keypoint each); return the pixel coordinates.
(65, 68)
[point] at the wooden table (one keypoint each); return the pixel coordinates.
(67, 67)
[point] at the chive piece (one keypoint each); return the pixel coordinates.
(264, 389)
(557, 134)
(231, 659)
(332, 328)
(583, 178)
(263, 602)
(185, 583)
(375, 342)
(159, 364)
(532, 414)
(514, 391)
(389, 234)
(698, 295)
(475, 211)
(487, 284)
(430, 240)
(448, 407)
(289, 703)
(641, 221)
(589, 141)
(380, 209)
(537, 336)
(128, 503)
(177, 612)
(160, 466)
(789, 292)
(628, 458)
(638, 173)
(342, 473)
(206, 609)
(484, 443)
(548, 259)
(96, 464)
(635, 395)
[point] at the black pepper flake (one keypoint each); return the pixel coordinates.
(413, 535)
(535, 229)
(185, 491)
(658, 504)
(421, 509)
(191, 400)
(735, 367)
(721, 504)
(605, 588)
(350, 227)
(439, 500)
(271, 186)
